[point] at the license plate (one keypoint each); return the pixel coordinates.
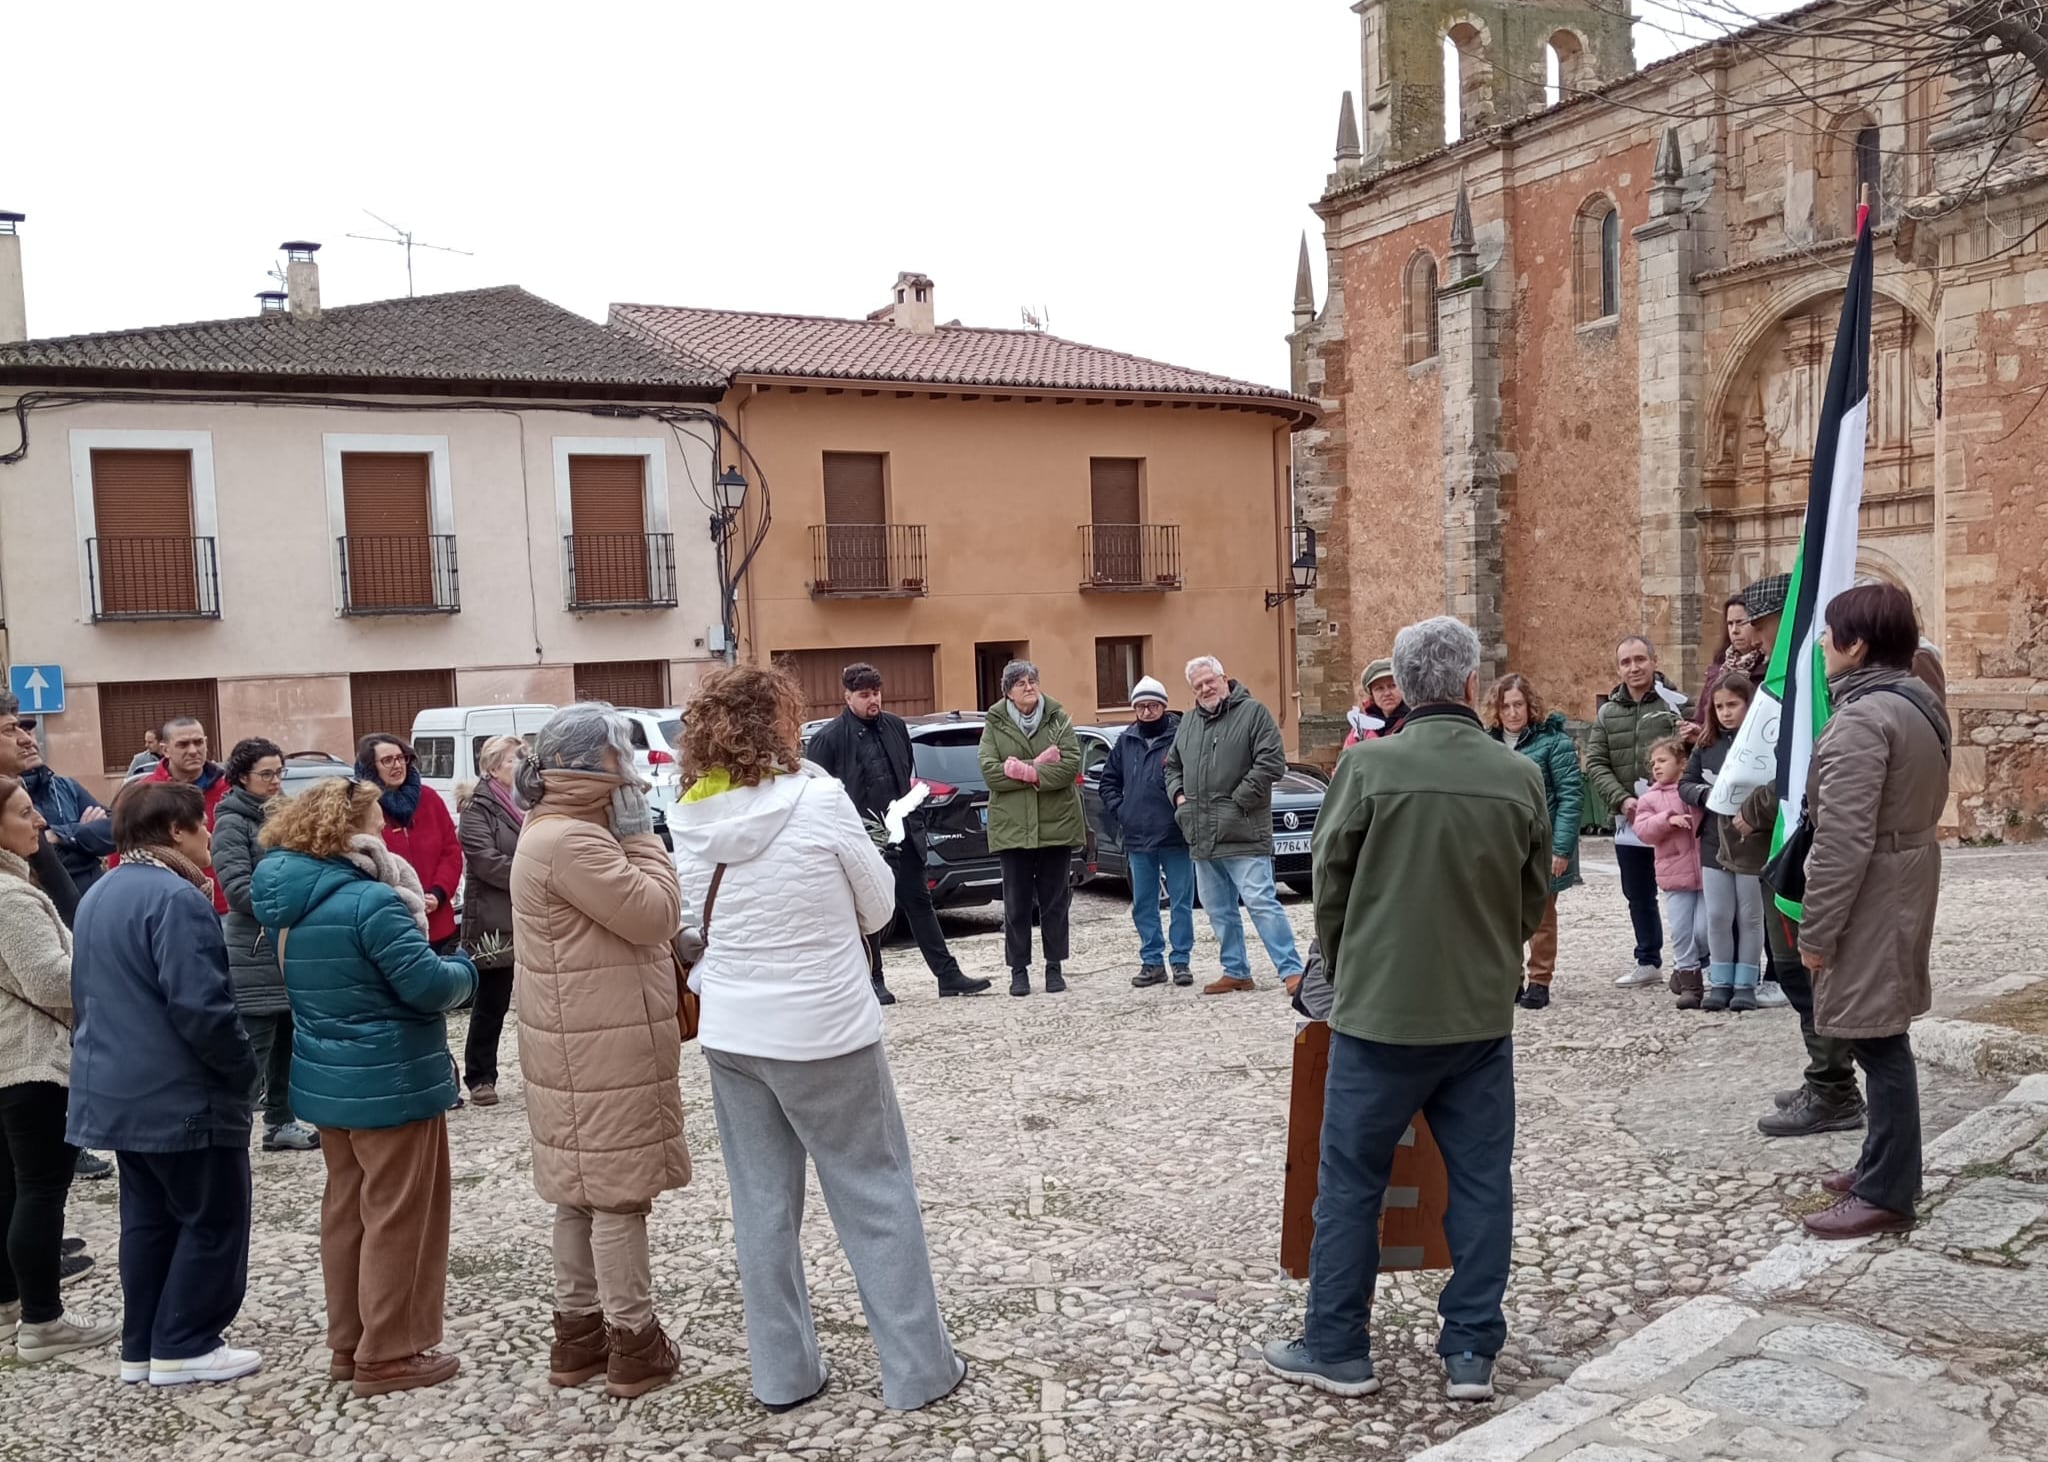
(1286, 847)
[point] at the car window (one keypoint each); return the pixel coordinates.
(437, 756)
(1093, 754)
(637, 733)
(952, 756)
(1298, 783)
(671, 732)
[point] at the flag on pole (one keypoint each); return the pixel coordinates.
(1775, 743)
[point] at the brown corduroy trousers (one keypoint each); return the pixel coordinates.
(1543, 946)
(384, 1238)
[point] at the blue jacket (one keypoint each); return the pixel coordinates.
(159, 1059)
(1134, 788)
(368, 994)
(83, 846)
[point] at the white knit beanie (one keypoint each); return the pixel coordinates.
(1148, 689)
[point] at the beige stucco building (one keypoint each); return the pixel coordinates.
(306, 523)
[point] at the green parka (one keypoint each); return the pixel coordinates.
(1021, 815)
(1618, 752)
(1225, 763)
(1550, 746)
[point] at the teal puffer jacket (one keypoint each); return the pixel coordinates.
(368, 993)
(1551, 747)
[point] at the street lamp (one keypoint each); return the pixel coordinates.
(1303, 568)
(729, 495)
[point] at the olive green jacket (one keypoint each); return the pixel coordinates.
(1225, 763)
(1618, 751)
(1021, 815)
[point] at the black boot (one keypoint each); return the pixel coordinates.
(883, 995)
(1055, 983)
(956, 983)
(1149, 975)
(1814, 1112)
(1020, 982)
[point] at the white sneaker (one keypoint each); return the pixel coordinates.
(61, 1336)
(224, 1364)
(1641, 975)
(134, 1372)
(1770, 997)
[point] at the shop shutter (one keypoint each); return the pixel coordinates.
(142, 530)
(856, 542)
(641, 684)
(388, 520)
(608, 517)
(129, 708)
(1113, 516)
(909, 681)
(387, 701)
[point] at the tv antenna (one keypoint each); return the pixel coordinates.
(1037, 319)
(404, 236)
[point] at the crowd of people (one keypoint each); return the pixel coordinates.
(210, 950)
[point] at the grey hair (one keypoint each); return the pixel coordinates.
(1435, 660)
(575, 740)
(1203, 662)
(1018, 670)
(1644, 640)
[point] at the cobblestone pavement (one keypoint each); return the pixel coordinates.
(1101, 1174)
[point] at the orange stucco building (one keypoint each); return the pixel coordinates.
(940, 499)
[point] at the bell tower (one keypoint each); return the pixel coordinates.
(1502, 64)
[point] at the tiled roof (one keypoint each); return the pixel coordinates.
(485, 335)
(742, 342)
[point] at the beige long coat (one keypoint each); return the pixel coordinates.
(1875, 792)
(592, 917)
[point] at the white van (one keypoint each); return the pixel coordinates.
(448, 738)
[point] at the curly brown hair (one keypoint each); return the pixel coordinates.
(745, 720)
(1489, 710)
(320, 820)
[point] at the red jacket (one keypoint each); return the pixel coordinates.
(213, 783)
(429, 844)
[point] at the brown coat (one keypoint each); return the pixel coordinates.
(592, 917)
(1875, 792)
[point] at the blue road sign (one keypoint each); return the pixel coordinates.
(38, 688)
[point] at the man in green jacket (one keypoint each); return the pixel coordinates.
(1432, 869)
(1219, 777)
(1635, 716)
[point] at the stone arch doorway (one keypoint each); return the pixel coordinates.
(1758, 457)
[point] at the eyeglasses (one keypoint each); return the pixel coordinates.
(395, 759)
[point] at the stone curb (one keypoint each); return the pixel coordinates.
(1681, 1335)
(1977, 1049)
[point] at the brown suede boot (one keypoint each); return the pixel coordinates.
(1689, 987)
(640, 1361)
(379, 1378)
(582, 1349)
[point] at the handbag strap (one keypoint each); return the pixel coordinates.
(711, 902)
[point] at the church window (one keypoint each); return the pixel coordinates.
(1418, 309)
(1596, 260)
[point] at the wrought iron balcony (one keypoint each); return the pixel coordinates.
(1130, 558)
(867, 561)
(621, 570)
(146, 578)
(411, 573)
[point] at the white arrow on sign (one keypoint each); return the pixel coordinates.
(35, 685)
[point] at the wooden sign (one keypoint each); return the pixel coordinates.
(1412, 1214)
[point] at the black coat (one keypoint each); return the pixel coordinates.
(490, 836)
(1134, 789)
(837, 750)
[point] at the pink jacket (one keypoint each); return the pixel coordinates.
(1677, 848)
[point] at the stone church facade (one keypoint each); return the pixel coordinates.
(1570, 365)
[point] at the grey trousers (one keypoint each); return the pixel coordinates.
(841, 1112)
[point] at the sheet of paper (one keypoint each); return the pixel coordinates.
(1625, 835)
(1672, 698)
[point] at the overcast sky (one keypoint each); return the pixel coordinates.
(1140, 168)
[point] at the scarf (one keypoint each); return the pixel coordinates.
(369, 854)
(719, 780)
(506, 801)
(173, 861)
(1743, 662)
(400, 802)
(1153, 730)
(1027, 724)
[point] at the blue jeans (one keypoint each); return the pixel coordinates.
(1177, 867)
(1467, 1091)
(1223, 882)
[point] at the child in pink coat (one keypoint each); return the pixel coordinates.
(1671, 828)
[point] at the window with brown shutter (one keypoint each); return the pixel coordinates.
(909, 677)
(144, 556)
(641, 684)
(129, 708)
(856, 512)
(608, 527)
(1119, 665)
(1113, 516)
(387, 700)
(386, 505)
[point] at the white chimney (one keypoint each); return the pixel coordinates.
(910, 305)
(13, 301)
(302, 279)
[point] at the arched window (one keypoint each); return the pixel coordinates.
(1468, 81)
(1870, 170)
(1848, 157)
(1418, 309)
(1564, 67)
(1596, 260)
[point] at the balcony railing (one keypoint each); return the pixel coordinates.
(153, 578)
(867, 561)
(621, 570)
(1130, 558)
(398, 574)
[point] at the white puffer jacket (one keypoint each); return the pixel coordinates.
(785, 974)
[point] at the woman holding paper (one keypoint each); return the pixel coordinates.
(1032, 761)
